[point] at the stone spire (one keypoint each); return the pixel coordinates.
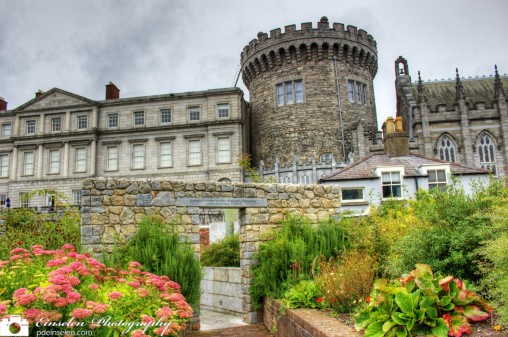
(498, 85)
(459, 88)
(421, 90)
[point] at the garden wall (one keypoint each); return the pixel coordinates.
(222, 290)
(113, 208)
(284, 322)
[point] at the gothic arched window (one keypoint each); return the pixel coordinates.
(446, 149)
(487, 153)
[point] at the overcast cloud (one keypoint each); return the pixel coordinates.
(159, 46)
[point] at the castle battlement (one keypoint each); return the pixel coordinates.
(350, 44)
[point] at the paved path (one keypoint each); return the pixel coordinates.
(257, 330)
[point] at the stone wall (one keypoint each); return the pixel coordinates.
(112, 208)
(222, 289)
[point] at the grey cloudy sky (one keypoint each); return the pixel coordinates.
(159, 46)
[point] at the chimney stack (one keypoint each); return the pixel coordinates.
(112, 92)
(396, 141)
(39, 93)
(3, 104)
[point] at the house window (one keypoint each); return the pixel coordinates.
(286, 180)
(82, 122)
(223, 110)
(54, 161)
(24, 199)
(28, 163)
(352, 194)
(305, 179)
(49, 200)
(4, 165)
(138, 156)
(6, 130)
(80, 153)
(392, 185)
(76, 197)
(165, 116)
(224, 150)
(30, 127)
(166, 154)
(194, 113)
(56, 124)
(139, 118)
(112, 121)
(351, 90)
(487, 153)
(194, 147)
(112, 158)
(3, 199)
(289, 92)
(446, 149)
(437, 179)
(358, 92)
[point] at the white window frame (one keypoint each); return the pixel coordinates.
(166, 116)
(113, 117)
(112, 159)
(54, 161)
(289, 92)
(56, 124)
(351, 90)
(138, 118)
(28, 163)
(76, 197)
(487, 153)
(4, 165)
(80, 163)
(391, 169)
(326, 158)
(345, 201)
(31, 127)
(224, 154)
(194, 113)
(199, 158)
(424, 170)
(223, 110)
(82, 122)
(5, 127)
(23, 201)
(138, 156)
(165, 158)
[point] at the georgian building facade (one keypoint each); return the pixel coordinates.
(58, 138)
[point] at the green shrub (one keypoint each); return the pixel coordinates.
(347, 280)
(304, 294)
(287, 257)
(224, 253)
(158, 248)
(25, 228)
(421, 304)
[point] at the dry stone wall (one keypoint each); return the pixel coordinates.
(113, 208)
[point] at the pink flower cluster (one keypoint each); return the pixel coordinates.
(70, 285)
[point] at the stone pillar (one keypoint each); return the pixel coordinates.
(14, 172)
(247, 250)
(66, 160)
(94, 118)
(503, 115)
(467, 147)
(427, 141)
(15, 127)
(39, 161)
(41, 124)
(67, 121)
(93, 157)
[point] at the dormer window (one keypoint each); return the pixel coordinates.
(392, 184)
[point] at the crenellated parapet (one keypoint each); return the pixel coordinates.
(347, 44)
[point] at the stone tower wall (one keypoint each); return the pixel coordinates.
(310, 128)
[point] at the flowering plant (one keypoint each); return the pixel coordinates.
(63, 289)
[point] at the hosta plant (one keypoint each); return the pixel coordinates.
(421, 304)
(64, 290)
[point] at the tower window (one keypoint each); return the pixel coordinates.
(289, 92)
(357, 92)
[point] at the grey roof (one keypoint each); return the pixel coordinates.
(364, 169)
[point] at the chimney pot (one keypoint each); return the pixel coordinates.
(3, 104)
(112, 91)
(39, 93)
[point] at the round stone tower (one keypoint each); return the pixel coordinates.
(297, 111)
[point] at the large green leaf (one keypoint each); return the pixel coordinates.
(415, 296)
(397, 319)
(374, 330)
(405, 302)
(402, 332)
(362, 319)
(388, 325)
(441, 329)
(445, 300)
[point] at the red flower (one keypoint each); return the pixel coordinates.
(19, 243)
(319, 300)
(368, 299)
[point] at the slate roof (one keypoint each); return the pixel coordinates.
(364, 169)
(443, 92)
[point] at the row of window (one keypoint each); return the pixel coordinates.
(392, 185)
(485, 146)
(165, 160)
(113, 121)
